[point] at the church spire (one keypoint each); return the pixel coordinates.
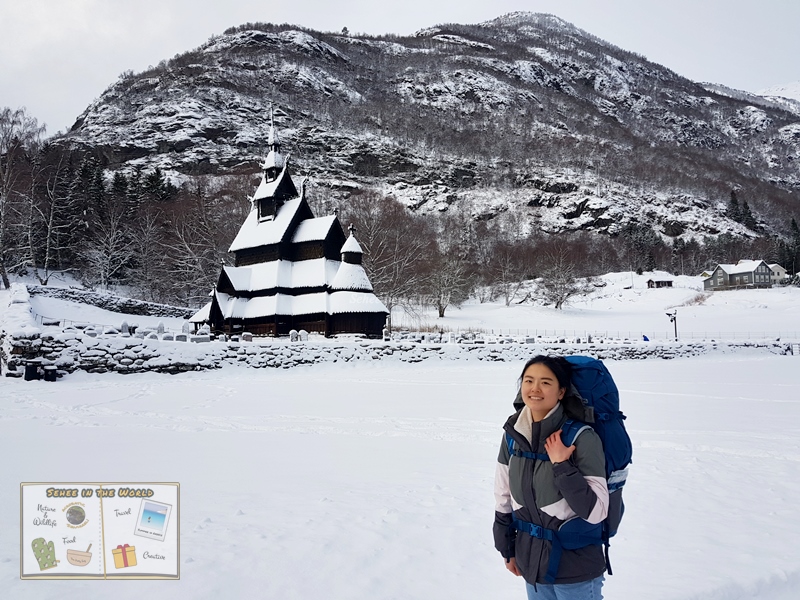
(274, 161)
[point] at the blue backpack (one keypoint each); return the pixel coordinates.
(595, 405)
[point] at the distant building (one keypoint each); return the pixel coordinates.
(659, 283)
(292, 270)
(744, 274)
(778, 273)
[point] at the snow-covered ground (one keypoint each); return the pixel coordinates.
(374, 480)
(625, 307)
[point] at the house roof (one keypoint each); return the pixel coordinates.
(743, 266)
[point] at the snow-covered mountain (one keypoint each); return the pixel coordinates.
(524, 114)
(788, 90)
(787, 95)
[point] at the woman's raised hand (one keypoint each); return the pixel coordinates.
(556, 449)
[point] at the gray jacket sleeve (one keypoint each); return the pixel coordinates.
(580, 479)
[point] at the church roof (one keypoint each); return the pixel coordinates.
(255, 233)
(201, 315)
(268, 189)
(354, 302)
(351, 277)
(306, 304)
(351, 245)
(274, 160)
(313, 229)
(316, 272)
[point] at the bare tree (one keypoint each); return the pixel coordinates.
(508, 269)
(110, 248)
(19, 138)
(450, 281)
(201, 224)
(558, 282)
(397, 245)
(50, 219)
(149, 269)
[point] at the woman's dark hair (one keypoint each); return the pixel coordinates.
(557, 364)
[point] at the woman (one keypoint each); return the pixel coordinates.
(541, 484)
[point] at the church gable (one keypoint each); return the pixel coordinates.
(271, 196)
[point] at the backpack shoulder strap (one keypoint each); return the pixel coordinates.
(570, 431)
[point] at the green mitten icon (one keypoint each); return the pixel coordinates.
(45, 554)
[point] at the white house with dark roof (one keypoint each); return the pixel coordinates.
(744, 274)
(292, 270)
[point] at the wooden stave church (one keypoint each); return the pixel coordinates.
(292, 270)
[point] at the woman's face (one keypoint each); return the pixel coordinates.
(540, 390)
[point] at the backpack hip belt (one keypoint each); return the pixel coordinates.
(574, 534)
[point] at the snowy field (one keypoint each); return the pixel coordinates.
(374, 481)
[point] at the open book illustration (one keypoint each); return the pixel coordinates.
(100, 531)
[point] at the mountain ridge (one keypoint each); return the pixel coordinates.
(524, 114)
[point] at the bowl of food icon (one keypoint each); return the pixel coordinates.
(78, 558)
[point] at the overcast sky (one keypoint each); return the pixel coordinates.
(56, 56)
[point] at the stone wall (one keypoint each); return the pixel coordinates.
(71, 352)
(111, 302)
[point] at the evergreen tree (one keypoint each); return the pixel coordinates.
(119, 188)
(135, 195)
(793, 259)
(157, 188)
(748, 220)
(734, 210)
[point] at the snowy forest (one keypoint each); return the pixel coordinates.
(60, 211)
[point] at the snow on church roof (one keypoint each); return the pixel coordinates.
(354, 302)
(313, 229)
(201, 315)
(267, 189)
(274, 160)
(307, 304)
(255, 233)
(351, 245)
(351, 277)
(316, 272)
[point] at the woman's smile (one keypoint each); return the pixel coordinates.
(540, 390)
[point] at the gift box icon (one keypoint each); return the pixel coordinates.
(124, 556)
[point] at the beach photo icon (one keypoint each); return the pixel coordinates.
(153, 519)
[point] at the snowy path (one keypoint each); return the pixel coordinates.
(374, 481)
